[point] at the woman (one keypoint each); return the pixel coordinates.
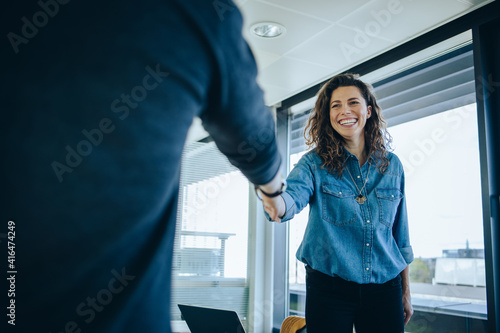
(356, 245)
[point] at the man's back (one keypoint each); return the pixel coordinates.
(99, 99)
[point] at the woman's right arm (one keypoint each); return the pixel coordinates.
(300, 188)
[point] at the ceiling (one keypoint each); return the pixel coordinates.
(326, 37)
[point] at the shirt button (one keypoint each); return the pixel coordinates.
(392, 196)
(359, 176)
(340, 192)
(367, 221)
(367, 244)
(367, 268)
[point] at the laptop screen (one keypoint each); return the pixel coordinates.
(210, 320)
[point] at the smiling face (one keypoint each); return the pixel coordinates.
(349, 112)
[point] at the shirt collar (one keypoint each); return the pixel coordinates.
(349, 155)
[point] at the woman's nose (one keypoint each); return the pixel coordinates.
(346, 109)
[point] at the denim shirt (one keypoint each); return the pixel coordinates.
(363, 243)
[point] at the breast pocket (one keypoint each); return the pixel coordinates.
(388, 203)
(338, 204)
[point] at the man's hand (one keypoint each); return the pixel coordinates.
(275, 207)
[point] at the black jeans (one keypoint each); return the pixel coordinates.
(334, 305)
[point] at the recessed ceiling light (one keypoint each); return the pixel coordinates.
(268, 29)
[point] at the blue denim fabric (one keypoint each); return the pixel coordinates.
(363, 243)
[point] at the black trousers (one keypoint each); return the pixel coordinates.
(334, 305)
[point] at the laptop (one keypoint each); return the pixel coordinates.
(210, 320)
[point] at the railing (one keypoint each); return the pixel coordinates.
(199, 278)
(204, 261)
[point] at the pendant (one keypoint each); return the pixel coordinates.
(360, 199)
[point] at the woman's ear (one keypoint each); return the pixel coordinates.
(368, 111)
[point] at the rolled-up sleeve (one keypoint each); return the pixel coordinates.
(300, 188)
(400, 228)
(407, 253)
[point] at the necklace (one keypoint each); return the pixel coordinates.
(360, 198)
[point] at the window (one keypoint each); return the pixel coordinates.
(429, 106)
(441, 159)
(433, 120)
(297, 273)
(210, 256)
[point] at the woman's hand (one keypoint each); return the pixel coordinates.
(275, 207)
(407, 307)
(405, 284)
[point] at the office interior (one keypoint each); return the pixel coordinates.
(435, 71)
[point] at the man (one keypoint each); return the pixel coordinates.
(97, 100)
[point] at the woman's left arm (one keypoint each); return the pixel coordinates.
(405, 284)
(401, 234)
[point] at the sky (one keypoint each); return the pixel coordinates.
(440, 154)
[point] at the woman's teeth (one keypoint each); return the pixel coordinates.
(348, 121)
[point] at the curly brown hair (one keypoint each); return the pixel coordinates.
(320, 134)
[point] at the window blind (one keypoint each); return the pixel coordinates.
(208, 236)
(438, 85)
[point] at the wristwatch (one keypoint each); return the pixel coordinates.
(271, 195)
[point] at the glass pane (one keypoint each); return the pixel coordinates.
(440, 154)
(297, 273)
(213, 219)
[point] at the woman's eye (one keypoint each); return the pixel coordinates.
(354, 102)
(335, 106)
